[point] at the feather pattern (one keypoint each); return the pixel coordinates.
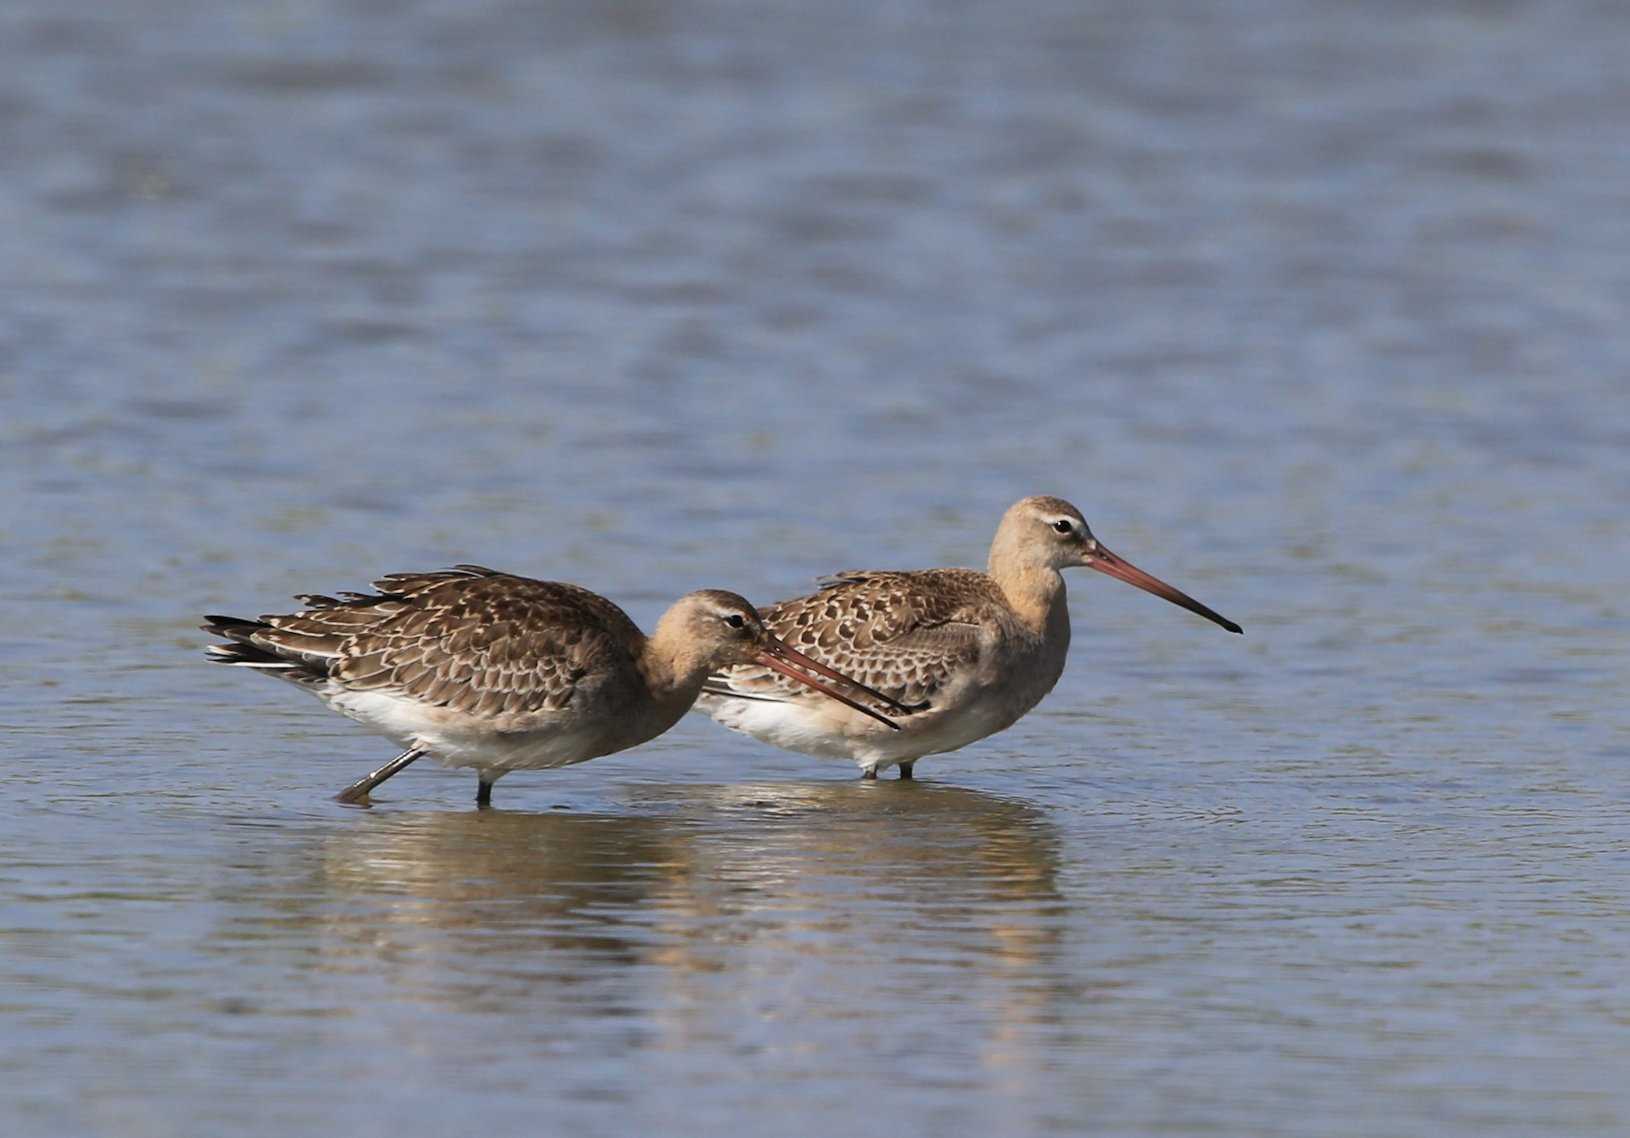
(467, 639)
(907, 634)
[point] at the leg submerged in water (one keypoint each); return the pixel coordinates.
(905, 769)
(483, 793)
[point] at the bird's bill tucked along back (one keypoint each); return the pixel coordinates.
(795, 665)
(1099, 558)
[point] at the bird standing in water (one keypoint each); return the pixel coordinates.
(965, 653)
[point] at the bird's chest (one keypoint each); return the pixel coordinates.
(1014, 674)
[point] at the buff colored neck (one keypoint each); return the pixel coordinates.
(674, 665)
(1035, 592)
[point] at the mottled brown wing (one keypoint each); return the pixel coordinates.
(467, 638)
(906, 634)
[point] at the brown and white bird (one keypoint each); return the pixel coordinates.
(965, 653)
(501, 673)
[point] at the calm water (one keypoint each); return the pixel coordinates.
(1316, 309)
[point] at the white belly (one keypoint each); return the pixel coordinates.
(456, 740)
(819, 729)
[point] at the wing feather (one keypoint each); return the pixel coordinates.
(907, 634)
(465, 638)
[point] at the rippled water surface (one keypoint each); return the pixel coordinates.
(1316, 309)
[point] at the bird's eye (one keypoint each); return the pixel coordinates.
(736, 620)
(1062, 526)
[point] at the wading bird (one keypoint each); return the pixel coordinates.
(965, 653)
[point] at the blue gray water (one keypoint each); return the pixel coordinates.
(1316, 309)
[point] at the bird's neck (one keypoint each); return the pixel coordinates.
(1036, 596)
(673, 668)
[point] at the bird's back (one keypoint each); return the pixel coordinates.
(467, 641)
(917, 636)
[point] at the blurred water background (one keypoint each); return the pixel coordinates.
(1316, 309)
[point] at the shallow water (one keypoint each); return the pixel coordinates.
(1317, 312)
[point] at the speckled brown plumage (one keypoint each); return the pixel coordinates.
(905, 633)
(468, 639)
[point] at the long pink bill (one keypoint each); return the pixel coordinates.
(779, 658)
(1122, 570)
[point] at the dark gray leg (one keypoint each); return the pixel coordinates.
(869, 773)
(483, 793)
(905, 769)
(358, 791)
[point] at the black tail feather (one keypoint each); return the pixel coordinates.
(241, 650)
(232, 627)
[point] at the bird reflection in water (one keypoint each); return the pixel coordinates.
(709, 910)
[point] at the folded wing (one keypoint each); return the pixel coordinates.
(467, 638)
(907, 634)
